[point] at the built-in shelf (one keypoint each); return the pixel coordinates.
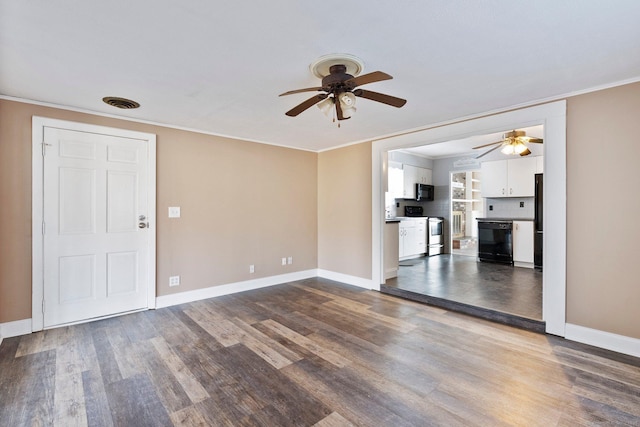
(466, 200)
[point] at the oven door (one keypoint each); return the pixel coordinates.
(495, 241)
(435, 231)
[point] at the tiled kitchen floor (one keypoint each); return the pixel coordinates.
(496, 287)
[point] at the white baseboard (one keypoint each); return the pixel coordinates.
(349, 280)
(390, 273)
(231, 288)
(15, 328)
(606, 340)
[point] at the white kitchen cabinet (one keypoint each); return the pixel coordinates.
(395, 176)
(412, 239)
(425, 176)
(523, 243)
(509, 178)
(520, 177)
(494, 179)
(413, 175)
(410, 176)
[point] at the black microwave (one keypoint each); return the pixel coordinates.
(424, 192)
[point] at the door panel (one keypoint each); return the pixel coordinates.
(95, 256)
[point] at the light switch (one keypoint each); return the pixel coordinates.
(174, 211)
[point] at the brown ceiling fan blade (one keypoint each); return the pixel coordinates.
(339, 113)
(487, 145)
(536, 140)
(308, 89)
(525, 152)
(306, 104)
(488, 151)
(380, 97)
(376, 76)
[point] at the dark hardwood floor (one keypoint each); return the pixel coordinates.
(312, 352)
(511, 295)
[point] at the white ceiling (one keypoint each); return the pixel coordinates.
(218, 67)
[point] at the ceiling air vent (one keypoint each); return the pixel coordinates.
(123, 103)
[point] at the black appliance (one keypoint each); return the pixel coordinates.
(413, 211)
(435, 235)
(424, 192)
(495, 240)
(538, 223)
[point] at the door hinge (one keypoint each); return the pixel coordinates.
(42, 305)
(44, 148)
(43, 228)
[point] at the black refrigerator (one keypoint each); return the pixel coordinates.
(538, 224)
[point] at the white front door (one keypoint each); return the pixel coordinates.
(96, 214)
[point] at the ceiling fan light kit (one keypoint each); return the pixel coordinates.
(340, 74)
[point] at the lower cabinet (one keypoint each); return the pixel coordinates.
(412, 239)
(523, 243)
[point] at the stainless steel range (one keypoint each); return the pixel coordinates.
(435, 238)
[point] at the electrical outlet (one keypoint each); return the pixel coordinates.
(174, 280)
(290, 260)
(284, 261)
(174, 212)
(252, 268)
(522, 204)
(490, 207)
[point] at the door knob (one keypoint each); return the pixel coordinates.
(143, 225)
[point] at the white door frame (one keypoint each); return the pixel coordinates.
(553, 117)
(37, 208)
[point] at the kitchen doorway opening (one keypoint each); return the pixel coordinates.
(466, 208)
(553, 117)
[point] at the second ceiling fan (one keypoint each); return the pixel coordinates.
(514, 142)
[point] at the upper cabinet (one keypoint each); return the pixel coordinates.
(396, 180)
(509, 178)
(414, 175)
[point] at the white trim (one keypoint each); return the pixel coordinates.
(231, 288)
(553, 117)
(15, 328)
(37, 208)
(614, 342)
(348, 279)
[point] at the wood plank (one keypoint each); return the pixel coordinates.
(188, 417)
(333, 420)
(28, 400)
(95, 399)
(134, 402)
(306, 343)
(69, 398)
(169, 390)
(109, 369)
(180, 371)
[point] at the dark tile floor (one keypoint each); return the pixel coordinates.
(496, 287)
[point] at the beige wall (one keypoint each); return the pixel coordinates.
(213, 244)
(241, 203)
(603, 208)
(344, 210)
